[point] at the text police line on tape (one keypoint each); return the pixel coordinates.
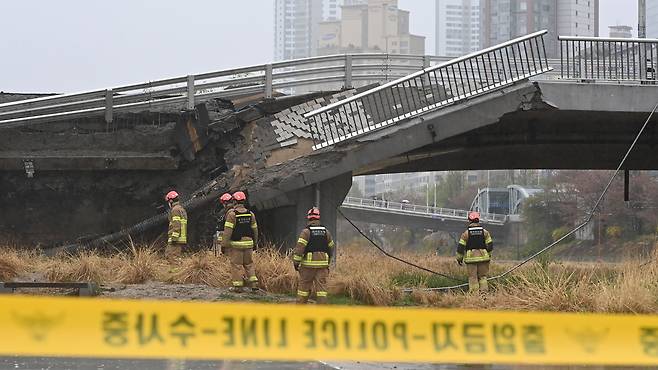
(39, 326)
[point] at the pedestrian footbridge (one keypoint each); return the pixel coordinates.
(414, 215)
(504, 107)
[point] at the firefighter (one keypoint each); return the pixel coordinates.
(311, 258)
(240, 237)
(226, 200)
(474, 249)
(177, 232)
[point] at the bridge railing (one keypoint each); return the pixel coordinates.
(608, 59)
(430, 211)
(331, 72)
(434, 87)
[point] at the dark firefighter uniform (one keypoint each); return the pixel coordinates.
(218, 248)
(177, 231)
(240, 237)
(311, 257)
(474, 249)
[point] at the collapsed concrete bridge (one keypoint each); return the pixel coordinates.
(294, 152)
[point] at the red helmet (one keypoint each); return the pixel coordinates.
(313, 214)
(171, 195)
(474, 217)
(225, 198)
(239, 196)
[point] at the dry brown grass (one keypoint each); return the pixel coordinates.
(202, 268)
(275, 272)
(11, 264)
(365, 276)
(139, 265)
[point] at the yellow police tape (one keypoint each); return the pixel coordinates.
(76, 327)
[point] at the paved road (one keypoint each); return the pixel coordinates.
(46, 363)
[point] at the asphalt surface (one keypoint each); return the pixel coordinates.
(43, 363)
(50, 363)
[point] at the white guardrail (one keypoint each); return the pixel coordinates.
(605, 59)
(323, 73)
(420, 210)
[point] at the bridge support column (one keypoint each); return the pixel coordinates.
(283, 224)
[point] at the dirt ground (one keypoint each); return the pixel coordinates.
(188, 292)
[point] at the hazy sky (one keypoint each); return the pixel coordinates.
(65, 46)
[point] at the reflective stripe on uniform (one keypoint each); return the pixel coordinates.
(462, 242)
(315, 263)
(297, 258)
(302, 293)
(229, 225)
(309, 262)
(175, 234)
(321, 294)
(242, 244)
(488, 239)
(470, 258)
(253, 278)
(331, 244)
(238, 283)
(302, 241)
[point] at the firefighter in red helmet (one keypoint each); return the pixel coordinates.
(240, 237)
(177, 231)
(474, 249)
(312, 257)
(226, 200)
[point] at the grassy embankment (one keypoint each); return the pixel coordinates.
(364, 276)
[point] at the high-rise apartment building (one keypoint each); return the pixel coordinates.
(297, 22)
(620, 32)
(502, 20)
(370, 26)
(457, 25)
(652, 18)
(578, 17)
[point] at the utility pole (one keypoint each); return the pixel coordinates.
(642, 19)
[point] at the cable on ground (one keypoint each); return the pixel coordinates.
(393, 256)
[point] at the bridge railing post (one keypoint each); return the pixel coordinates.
(348, 71)
(109, 104)
(190, 92)
(268, 81)
(642, 58)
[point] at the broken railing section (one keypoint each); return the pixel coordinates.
(433, 87)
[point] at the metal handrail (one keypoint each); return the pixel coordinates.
(472, 75)
(346, 68)
(430, 88)
(429, 211)
(608, 59)
(607, 39)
